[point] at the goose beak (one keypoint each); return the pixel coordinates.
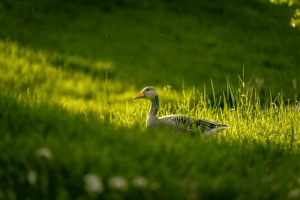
(140, 95)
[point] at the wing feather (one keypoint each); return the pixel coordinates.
(190, 124)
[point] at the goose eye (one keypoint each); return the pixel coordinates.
(147, 90)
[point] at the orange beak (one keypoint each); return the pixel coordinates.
(140, 95)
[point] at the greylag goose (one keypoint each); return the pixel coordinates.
(178, 122)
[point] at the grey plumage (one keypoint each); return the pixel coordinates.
(178, 122)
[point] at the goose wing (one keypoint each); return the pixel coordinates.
(190, 124)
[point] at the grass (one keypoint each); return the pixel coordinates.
(244, 162)
(179, 40)
(34, 75)
(67, 87)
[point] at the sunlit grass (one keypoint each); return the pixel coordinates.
(171, 41)
(295, 19)
(35, 78)
(68, 81)
(105, 135)
(66, 92)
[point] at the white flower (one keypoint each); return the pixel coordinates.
(294, 193)
(117, 183)
(44, 153)
(140, 182)
(32, 177)
(93, 184)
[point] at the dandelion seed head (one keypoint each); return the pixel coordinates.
(32, 177)
(294, 193)
(93, 184)
(117, 183)
(44, 153)
(140, 182)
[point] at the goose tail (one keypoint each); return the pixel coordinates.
(215, 130)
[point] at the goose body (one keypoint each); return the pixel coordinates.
(177, 122)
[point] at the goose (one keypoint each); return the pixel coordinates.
(179, 123)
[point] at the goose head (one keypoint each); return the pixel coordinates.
(147, 93)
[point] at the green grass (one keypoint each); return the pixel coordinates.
(65, 86)
(159, 43)
(244, 162)
(39, 81)
(248, 161)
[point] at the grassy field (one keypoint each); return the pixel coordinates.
(248, 161)
(70, 129)
(245, 162)
(182, 41)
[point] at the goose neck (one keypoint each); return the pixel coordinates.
(154, 107)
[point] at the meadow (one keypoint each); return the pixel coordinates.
(70, 129)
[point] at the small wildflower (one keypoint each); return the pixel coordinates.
(167, 87)
(117, 183)
(294, 193)
(140, 182)
(32, 177)
(44, 153)
(93, 184)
